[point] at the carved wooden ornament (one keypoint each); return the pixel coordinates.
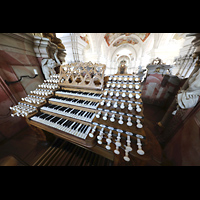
(82, 75)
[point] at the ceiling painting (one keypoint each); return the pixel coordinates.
(125, 40)
(110, 37)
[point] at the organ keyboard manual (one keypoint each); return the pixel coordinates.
(83, 106)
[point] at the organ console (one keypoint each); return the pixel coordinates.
(108, 117)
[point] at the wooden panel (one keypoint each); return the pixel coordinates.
(183, 149)
(27, 83)
(9, 126)
(160, 90)
(7, 73)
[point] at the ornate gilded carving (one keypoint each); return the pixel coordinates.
(52, 37)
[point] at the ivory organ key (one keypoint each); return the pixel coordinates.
(137, 87)
(117, 94)
(102, 103)
(139, 125)
(130, 107)
(108, 140)
(100, 136)
(108, 104)
(128, 141)
(122, 105)
(123, 94)
(137, 96)
(112, 119)
(116, 151)
(130, 95)
(105, 93)
(105, 116)
(113, 85)
(92, 133)
(126, 158)
(139, 144)
(98, 114)
(129, 123)
(138, 109)
(136, 79)
(118, 143)
(111, 93)
(120, 120)
(108, 85)
(115, 105)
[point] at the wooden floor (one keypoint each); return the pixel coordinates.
(26, 147)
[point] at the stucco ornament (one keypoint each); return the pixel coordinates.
(188, 98)
(49, 65)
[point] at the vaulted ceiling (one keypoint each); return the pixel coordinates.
(138, 49)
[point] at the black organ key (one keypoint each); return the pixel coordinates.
(70, 122)
(87, 102)
(43, 116)
(57, 107)
(62, 108)
(49, 117)
(87, 114)
(55, 119)
(74, 126)
(67, 123)
(84, 129)
(90, 115)
(40, 115)
(52, 106)
(61, 121)
(68, 110)
(80, 127)
(81, 113)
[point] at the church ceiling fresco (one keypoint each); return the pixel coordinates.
(110, 37)
(125, 40)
